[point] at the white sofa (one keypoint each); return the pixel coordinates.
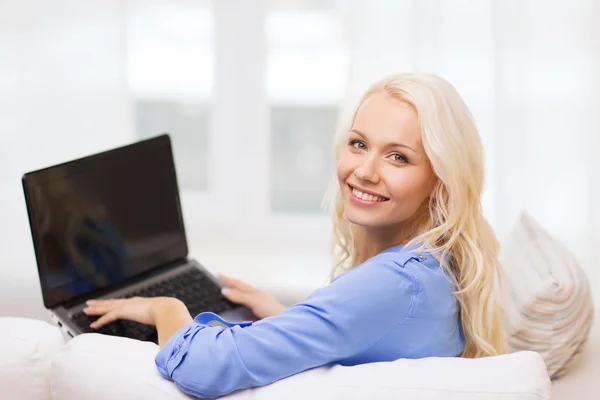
(37, 364)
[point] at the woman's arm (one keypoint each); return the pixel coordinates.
(170, 315)
(336, 322)
(167, 313)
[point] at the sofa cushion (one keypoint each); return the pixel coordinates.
(26, 350)
(95, 367)
(547, 296)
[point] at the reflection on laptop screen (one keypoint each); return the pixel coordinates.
(103, 219)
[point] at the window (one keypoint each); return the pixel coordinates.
(307, 67)
(251, 99)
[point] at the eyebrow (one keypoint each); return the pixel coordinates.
(390, 144)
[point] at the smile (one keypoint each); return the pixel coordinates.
(364, 197)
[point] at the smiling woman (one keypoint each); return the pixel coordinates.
(420, 261)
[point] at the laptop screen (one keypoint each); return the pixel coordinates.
(101, 220)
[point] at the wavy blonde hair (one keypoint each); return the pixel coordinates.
(451, 223)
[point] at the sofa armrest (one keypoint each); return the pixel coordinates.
(27, 347)
(96, 367)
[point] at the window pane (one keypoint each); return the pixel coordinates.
(306, 65)
(301, 157)
(170, 68)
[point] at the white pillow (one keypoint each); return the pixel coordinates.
(546, 295)
(97, 367)
(26, 349)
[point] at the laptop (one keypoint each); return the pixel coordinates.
(110, 225)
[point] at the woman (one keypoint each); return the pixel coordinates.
(418, 260)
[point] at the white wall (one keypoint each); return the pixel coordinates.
(63, 94)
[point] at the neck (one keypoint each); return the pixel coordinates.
(375, 240)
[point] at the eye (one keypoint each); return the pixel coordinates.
(399, 158)
(357, 144)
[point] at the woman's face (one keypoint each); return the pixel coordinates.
(383, 171)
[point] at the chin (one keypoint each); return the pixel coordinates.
(361, 219)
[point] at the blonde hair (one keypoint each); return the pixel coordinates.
(451, 224)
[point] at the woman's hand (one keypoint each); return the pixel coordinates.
(139, 309)
(262, 304)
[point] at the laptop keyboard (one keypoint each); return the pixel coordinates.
(196, 290)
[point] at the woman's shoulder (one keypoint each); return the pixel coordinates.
(409, 266)
(387, 268)
(421, 265)
(399, 255)
(402, 255)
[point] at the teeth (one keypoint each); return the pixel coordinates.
(366, 196)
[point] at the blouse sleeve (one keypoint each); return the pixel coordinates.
(336, 322)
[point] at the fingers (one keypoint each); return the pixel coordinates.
(100, 307)
(235, 283)
(105, 319)
(236, 296)
(107, 309)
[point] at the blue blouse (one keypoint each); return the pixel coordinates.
(397, 304)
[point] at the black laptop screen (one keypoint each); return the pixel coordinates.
(103, 219)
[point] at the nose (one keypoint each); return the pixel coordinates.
(367, 171)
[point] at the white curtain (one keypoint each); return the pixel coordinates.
(529, 71)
